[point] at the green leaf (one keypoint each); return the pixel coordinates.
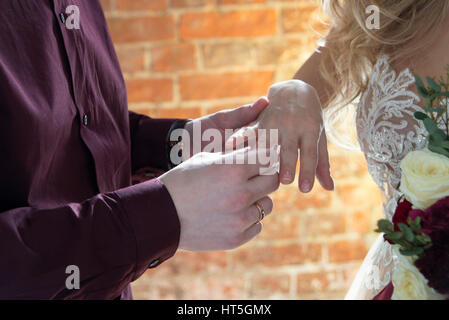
(439, 150)
(421, 115)
(433, 84)
(424, 239)
(420, 86)
(430, 126)
(408, 233)
(385, 225)
(438, 95)
(394, 236)
(412, 252)
(439, 110)
(445, 144)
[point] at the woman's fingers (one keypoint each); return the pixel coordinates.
(323, 168)
(289, 158)
(308, 161)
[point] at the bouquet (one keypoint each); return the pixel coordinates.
(419, 232)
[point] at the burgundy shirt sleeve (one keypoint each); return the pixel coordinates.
(112, 238)
(148, 141)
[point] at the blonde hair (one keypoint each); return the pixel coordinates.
(351, 48)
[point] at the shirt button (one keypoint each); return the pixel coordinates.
(62, 17)
(85, 118)
(154, 263)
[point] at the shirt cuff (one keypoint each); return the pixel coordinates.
(155, 221)
(149, 141)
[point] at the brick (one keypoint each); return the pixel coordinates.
(141, 29)
(191, 3)
(302, 20)
(269, 286)
(277, 256)
(346, 164)
(359, 196)
(225, 85)
(312, 282)
(108, 5)
(205, 288)
(347, 250)
(224, 2)
(172, 58)
(141, 5)
(131, 59)
(280, 225)
(317, 199)
(243, 23)
(323, 282)
(324, 224)
(149, 90)
(226, 54)
(359, 221)
(146, 111)
(182, 113)
(275, 52)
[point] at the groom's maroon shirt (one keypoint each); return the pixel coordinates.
(67, 148)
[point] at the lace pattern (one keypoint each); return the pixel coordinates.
(387, 131)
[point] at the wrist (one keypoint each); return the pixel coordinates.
(174, 142)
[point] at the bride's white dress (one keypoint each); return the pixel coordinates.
(386, 131)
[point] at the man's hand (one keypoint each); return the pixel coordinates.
(295, 110)
(226, 119)
(215, 202)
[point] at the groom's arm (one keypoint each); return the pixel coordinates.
(148, 141)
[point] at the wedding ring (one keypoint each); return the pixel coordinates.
(261, 210)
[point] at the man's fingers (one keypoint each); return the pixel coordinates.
(251, 232)
(308, 162)
(323, 168)
(253, 215)
(240, 117)
(249, 161)
(260, 186)
(289, 158)
(240, 138)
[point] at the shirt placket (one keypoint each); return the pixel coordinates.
(72, 43)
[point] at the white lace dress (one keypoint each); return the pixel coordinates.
(386, 131)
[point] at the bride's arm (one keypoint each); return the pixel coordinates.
(309, 74)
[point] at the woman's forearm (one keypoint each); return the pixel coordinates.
(310, 73)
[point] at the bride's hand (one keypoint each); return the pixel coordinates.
(295, 110)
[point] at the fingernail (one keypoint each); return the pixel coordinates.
(287, 178)
(306, 186)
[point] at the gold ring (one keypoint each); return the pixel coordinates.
(261, 210)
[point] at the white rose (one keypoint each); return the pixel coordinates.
(409, 283)
(425, 178)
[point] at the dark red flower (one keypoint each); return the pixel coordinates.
(401, 214)
(435, 263)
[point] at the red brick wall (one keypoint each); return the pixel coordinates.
(187, 58)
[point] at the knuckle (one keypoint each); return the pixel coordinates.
(288, 150)
(274, 182)
(240, 199)
(235, 241)
(270, 205)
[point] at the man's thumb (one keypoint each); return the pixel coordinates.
(244, 115)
